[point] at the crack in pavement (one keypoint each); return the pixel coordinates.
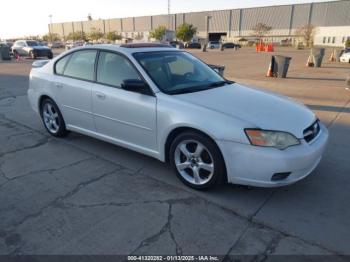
(271, 247)
(42, 141)
(347, 104)
(227, 255)
(7, 97)
(57, 200)
(262, 205)
(50, 171)
(166, 228)
(251, 219)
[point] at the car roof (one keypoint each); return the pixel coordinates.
(130, 49)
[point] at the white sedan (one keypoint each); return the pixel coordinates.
(166, 103)
(345, 57)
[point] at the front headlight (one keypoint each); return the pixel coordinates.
(277, 139)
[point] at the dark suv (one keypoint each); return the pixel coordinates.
(31, 48)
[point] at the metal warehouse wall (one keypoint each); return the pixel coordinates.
(331, 14)
(143, 24)
(278, 17)
(238, 22)
(163, 20)
(113, 25)
(98, 25)
(220, 21)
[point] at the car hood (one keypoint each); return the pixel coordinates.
(258, 108)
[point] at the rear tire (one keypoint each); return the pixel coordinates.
(50, 56)
(197, 161)
(52, 118)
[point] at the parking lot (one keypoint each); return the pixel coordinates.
(82, 196)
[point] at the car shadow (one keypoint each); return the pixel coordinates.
(316, 78)
(329, 108)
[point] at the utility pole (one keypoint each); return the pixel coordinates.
(169, 16)
(50, 28)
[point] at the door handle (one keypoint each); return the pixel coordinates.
(101, 96)
(58, 85)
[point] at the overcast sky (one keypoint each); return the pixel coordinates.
(23, 17)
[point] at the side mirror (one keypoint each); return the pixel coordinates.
(138, 86)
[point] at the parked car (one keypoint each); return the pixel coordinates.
(74, 44)
(345, 57)
(31, 48)
(231, 45)
(167, 104)
(43, 43)
(213, 44)
(56, 44)
(193, 45)
(9, 44)
(177, 44)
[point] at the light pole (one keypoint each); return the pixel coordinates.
(207, 20)
(50, 28)
(169, 21)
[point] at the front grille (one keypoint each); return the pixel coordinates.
(312, 131)
(42, 52)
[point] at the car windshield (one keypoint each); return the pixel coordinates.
(176, 72)
(32, 43)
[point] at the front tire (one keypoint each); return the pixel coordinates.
(197, 160)
(32, 55)
(52, 118)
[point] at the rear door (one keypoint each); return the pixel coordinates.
(127, 117)
(73, 86)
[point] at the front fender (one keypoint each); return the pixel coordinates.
(173, 114)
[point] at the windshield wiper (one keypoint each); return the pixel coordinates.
(219, 83)
(199, 88)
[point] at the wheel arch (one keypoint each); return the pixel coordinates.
(182, 129)
(40, 102)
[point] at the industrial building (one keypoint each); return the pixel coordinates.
(331, 19)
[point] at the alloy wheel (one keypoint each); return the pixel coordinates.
(51, 118)
(194, 162)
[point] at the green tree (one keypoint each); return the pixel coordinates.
(158, 33)
(95, 34)
(347, 43)
(47, 37)
(112, 36)
(76, 36)
(185, 32)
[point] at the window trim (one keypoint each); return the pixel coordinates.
(64, 68)
(132, 64)
(77, 78)
(94, 81)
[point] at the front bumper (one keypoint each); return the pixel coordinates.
(255, 166)
(42, 53)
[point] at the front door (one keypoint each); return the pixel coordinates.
(128, 117)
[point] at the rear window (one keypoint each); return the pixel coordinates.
(60, 65)
(81, 65)
(32, 43)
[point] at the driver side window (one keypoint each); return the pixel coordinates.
(114, 69)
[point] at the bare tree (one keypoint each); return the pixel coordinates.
(307, 32)
(261, 30)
